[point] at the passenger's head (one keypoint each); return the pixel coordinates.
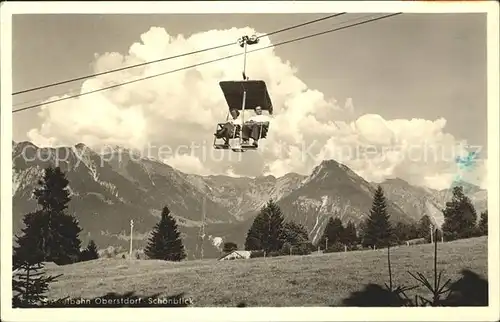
(234, 113)
(258, 110)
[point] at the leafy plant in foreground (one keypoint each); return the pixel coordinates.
(398, 292)
(437, 289)
(469, 290)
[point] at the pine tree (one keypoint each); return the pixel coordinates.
(295, 239)
(400, 232)
(460, 217)
(275, 227)
(69, 230)
(254, 237)
(404, 232)
(361, 231)
(333, 232)
(295, 234)
(483, 224)
(91, 250)
(412, 231)
(29, 283)
(267, 229)
(52, 195)
(425, 225)
(349, 237)
(165, 242)
(53, 232)
(378, 230)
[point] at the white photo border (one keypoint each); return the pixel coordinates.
(490, 313)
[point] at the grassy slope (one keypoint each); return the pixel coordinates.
(314, 280)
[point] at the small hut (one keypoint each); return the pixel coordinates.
(236, 254)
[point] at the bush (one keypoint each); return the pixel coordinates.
(335, 248)
(285, 250)
(274, 254)
(257, 253)
(301, 250)
(288, 249)
(110, 252)
(229, 247)
(354, 247)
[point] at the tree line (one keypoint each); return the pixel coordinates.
(50, 234)
(271, 235)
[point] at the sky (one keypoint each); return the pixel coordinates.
(394, 98)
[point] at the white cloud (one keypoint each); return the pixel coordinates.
(182, 109)
(187, 163)
(373, 129)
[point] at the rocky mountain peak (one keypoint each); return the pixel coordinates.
(117, 190)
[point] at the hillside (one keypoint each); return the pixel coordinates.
(314, 280)
(109, 190)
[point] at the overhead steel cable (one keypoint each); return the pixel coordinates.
(61, 93)
(171, 57)
(206, 62)
(302, 24)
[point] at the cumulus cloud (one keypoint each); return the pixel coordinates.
(179, 111)
(187, 163)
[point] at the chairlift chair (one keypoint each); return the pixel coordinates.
(244, 95)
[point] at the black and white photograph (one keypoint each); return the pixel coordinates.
(250, 155)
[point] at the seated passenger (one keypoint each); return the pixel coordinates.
(227, 130)
(252, 127)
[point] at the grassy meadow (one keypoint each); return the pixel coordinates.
(313, 280)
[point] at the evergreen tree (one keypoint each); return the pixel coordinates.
(350, 237)
(295, 239)
(89, 253)
(425, 226)
(334, 230)
(378, 230)
(412, 230)
(295, 234)
(50, 230)
(404, 232)
(401, 233)
(91, 250)
(460, 217)
(69, 230)
(229, 247)
(267, 229)
(361, 231)
(165, 242)
(29, 283)
(254, 234)
(483, 224)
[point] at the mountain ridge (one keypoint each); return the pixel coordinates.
(108, 192)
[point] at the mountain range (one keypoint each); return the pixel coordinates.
(107, 191)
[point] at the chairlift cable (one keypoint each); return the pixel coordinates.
(302, 24)
(171, 57)
(74, 90)
(206, 62)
